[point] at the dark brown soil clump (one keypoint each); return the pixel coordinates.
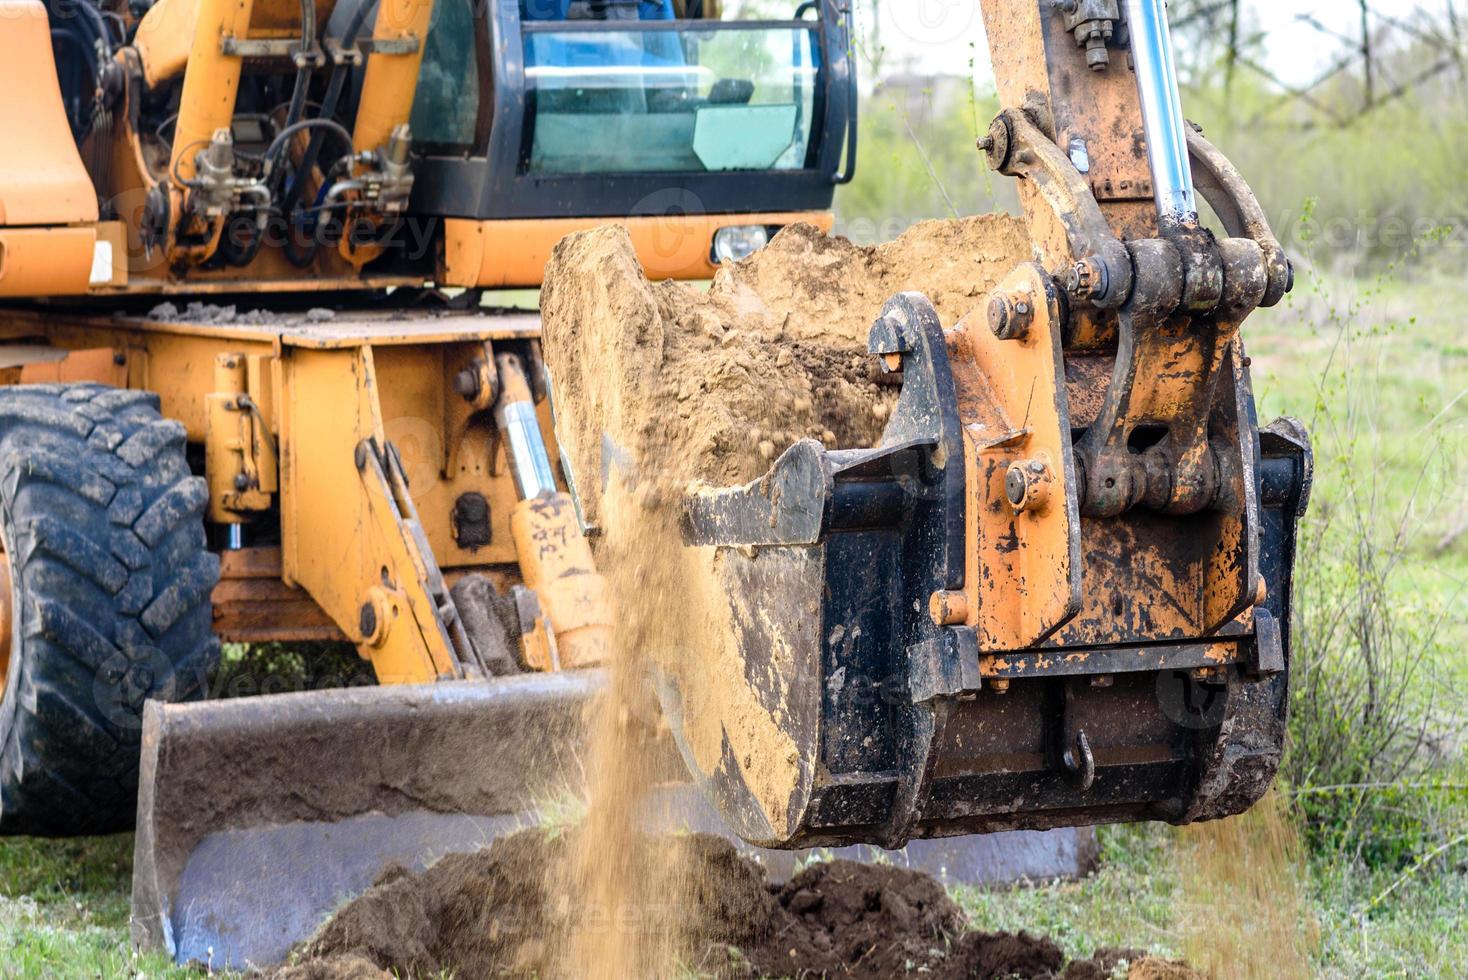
(501, 912)
(843, 919)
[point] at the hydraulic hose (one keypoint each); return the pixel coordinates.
(297, 184)
(303, 73)
(319, 123)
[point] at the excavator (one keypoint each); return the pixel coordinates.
(253, 394)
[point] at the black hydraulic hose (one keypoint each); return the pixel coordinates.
(319, 123)
(113, 17)
(334, 87)
(303, 74)
(59, 34)
(94, 20)
(77, 96)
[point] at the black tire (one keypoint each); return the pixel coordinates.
(111, 576)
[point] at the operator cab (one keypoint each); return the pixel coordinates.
(675, 110)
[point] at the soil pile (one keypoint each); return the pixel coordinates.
(493, 914)
(711, 386)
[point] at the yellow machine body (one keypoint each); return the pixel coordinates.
(354, 552)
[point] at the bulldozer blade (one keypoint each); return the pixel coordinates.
(258, 816)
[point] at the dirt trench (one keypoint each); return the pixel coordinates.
(502, 912)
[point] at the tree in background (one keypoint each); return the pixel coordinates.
(1375, 144)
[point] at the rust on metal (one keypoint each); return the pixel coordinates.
(1023, 565)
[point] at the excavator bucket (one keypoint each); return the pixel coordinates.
(897, 715)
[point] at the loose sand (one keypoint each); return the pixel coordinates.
(712, 385)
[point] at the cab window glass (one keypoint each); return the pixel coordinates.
(446, 103)
(629, 100)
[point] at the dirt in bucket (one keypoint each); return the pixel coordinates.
(491, 914)
(712, 385)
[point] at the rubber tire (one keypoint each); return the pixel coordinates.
(111, 578)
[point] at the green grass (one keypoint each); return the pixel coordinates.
(63, 911)
(1134, 900)
(1128, 902)
(1379, 371)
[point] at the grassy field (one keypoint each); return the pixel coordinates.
(1379, 370)
(1136, 900)
(63, 911)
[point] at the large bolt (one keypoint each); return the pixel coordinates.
(998, 314)
(374, 618)
(1027, 485)
(1010, 315)
(466, 384)
(367, 621)
(995, 144)
(948, 608)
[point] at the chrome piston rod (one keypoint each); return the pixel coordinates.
(516, 418)
(1162, 111)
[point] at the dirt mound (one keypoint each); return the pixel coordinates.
(504, 912)
(713, 385)
(861, 920)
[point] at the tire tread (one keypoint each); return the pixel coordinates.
(115, 578)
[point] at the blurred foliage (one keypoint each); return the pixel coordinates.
(1375, 763)
(1383, 186)
(916, 158)
(1380, 180)
(282, 668)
